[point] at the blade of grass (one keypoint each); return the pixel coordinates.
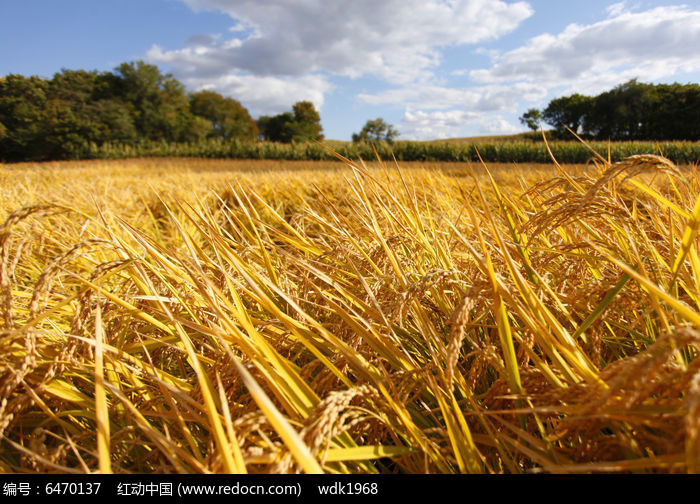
(101, 406)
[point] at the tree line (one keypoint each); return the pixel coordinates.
(62, 117)
(630, 111)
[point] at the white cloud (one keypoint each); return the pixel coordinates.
(431, 125)
(650, 45)
(653, 44)
(499, 126)
(426, 95)
(396, 40)
(277, 52)
(296, 43)
(615, 9)
(477, 98)
(267, 95)
(260, 94)
(422, 125)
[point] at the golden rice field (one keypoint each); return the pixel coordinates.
(192, 316)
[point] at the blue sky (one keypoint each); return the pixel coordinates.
(432, 68)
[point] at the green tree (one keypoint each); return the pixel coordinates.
(678, 111)
(308, 122)
(228, 119)
(629, 111)
(568, 111)
(81, 110)
(62, 117)
(115, 123)
(376, 130)
(22, 113)
(279, 128)
(199, 129)
(532, 119)
(174, 117)
(302, 124)
(157, 102)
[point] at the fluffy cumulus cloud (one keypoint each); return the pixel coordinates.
(440, 112)
(396, 40)
(306, 43)
(652, 44)
(261, 94)
(476, 98)
(268, 95)
(428, 125)
(277, 52)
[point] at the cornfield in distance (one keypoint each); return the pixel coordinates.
(352, 319)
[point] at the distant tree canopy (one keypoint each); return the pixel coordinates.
(568, 112)
(630, 111)
(532, 119)
(376, 130)
(301, 124)
(58, 118)
(227, 117)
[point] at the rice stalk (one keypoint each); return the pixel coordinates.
(383, 319)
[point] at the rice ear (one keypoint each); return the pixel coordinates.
(160, 317)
